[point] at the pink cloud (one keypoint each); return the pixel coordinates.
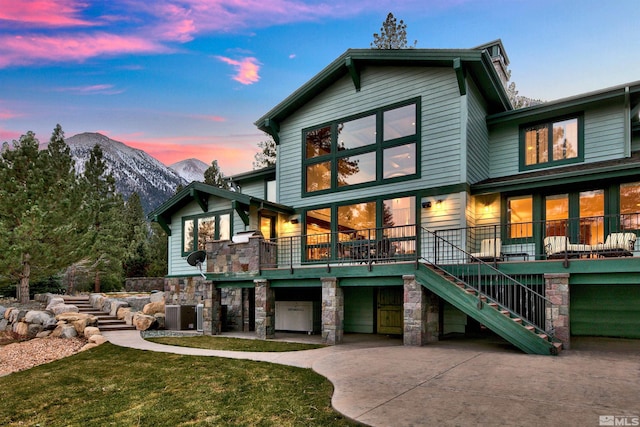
(22, 50)
(9, 135)
(218, 119)
(246, 69)
(47, 13)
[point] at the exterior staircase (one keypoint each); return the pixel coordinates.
(106, 322)
(504, 322)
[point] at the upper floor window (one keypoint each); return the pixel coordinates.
(551, 143)
(197, 230)
(373, 148)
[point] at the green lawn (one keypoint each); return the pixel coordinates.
(235, 344)
(116, 386)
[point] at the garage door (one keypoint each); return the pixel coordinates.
(605, 310)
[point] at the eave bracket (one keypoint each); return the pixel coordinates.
(462, 82)
(353, 72)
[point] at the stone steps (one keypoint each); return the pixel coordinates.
(106, 322)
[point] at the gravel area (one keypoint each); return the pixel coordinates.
(18, 356)
(27, 354)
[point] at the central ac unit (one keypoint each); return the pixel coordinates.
(180, 317)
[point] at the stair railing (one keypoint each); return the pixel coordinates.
(487, 281)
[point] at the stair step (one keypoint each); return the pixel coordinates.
(505, 312)
(530, 328)
(121, 327)
(493, 304)
(517, 320)
(543, 336)
(110, 322)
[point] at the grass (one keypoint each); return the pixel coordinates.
(116, 386)
(234, 344)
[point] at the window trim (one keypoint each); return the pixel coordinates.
(195, 219)
(378, 147)
(549, 124)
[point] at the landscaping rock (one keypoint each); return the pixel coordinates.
(72, 317)
(153, 308)
(50, 324)
(97, 339)
(116, 305)
(68, 331)
(142, 322)
(137, 303)
(96, 300)
(106, 305)
(17, 315)
(33, 329)
(156, 297)
(160, 320)
(39, 317)
(7, 312)
(21, 328)
(3, 324)
(81, 324)
(89, 331)
(88, 346)
(128, 317)
(54, 301)
(2, 310)
(43, 334)
(122, 312)
(64, 308)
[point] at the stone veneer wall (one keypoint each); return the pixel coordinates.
(196, 290)
(225, 256)
(144, 284)
(556, 288)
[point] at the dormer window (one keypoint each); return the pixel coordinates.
(551, 143)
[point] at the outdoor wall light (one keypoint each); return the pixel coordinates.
(426, 205)
(295, 219)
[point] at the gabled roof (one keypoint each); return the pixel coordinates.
(474, 62)
(200, 192)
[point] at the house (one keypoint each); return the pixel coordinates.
(409, 198)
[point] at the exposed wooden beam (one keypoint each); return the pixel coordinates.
(163, 224)
(201, 198)
(353, 72)
(462, 82)
(239, 208)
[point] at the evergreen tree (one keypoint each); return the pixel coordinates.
(266, 156)
(158, 252)
(392, 35)
(104, 240)
(37, 222)
(214, 176)
(136, 260)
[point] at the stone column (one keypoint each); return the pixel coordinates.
(556, 288)
(265, 310)
(332, 311)
(421, 313)
(216, 310)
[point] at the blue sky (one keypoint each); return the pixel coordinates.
(187, 78)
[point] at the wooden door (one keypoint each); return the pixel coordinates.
(390, 310)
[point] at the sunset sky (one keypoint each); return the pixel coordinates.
(187, 78)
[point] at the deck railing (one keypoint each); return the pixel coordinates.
(522, 296)
(355, 247)
(586, 237)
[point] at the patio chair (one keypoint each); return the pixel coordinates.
(490, 250)
(385, 250)
(617, 244)
(560, 246)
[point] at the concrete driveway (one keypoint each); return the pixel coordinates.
(465, 382)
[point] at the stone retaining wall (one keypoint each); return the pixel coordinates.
(144, 284)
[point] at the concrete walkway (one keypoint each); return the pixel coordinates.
(483, 382)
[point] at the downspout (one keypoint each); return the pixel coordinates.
(627, 122)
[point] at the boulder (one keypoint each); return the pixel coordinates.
(8, 311)
(64, 308)
(97, 339)
(72, 317)
(2, 310)
(55, 301)
(50, 324)
(142, 322)
(88, 346)
(21, 328)
(106, 305)
(38, 317)
(68, 331)
(34, 329)
(160, 320)
(116, 305)
(17, 315)
(128, 317)
(96, 300)
(81, 324)
(122, 312)
(137, 303)
(3, 324)
(153, 308)
(89, 331)
(43, 334)
(156, 297)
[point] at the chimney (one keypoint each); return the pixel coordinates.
(499, 57)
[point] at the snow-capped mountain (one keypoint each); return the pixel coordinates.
(133, 169)
(190, 169)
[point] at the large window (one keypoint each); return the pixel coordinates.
(630, 206)
(196, 231)
(592, 217)
(557, 215)
(374, 148)
(520, 217)
(551, 143)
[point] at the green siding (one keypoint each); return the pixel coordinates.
(477, 137)
(603, 138)
(381, 86)
(359, 316)
(605, 310)
(254, 189)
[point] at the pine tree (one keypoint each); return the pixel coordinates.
(392, 35)
(136, 260)
(37, 205)
(266, 156)
(214, 176)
